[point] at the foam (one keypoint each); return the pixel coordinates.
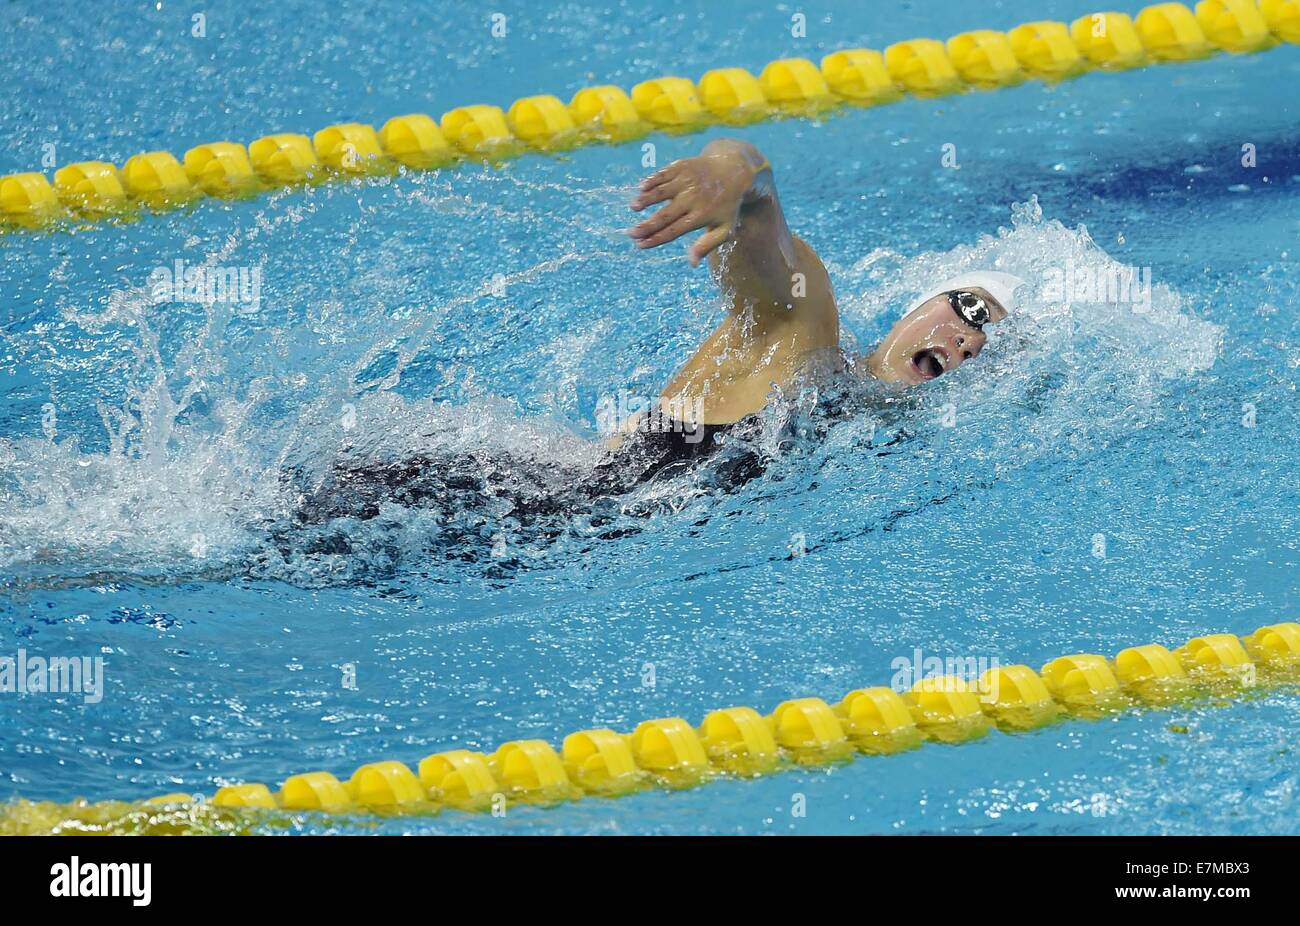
(178, 494)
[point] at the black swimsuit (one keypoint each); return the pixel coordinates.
(659, 449)
(660, 443)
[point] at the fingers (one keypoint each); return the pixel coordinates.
(678, 217)
(710, 240)
(657, 223)
(656, 195)
(661, 185)
(660, 177)
(684, 224)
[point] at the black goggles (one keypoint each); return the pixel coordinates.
(970, 308)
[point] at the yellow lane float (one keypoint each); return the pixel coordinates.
(416, 141)
(983, 59)
(739, 742)
(94, 187)
(284, 158)
(220, 169)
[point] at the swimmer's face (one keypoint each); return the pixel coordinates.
(931, 340)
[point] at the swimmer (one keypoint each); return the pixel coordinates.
(782, 322)
(782, 325)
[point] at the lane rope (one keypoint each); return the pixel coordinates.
(739, 742)
(985, 59)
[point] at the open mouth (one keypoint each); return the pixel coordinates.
(930, 362)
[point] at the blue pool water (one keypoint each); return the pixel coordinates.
(488, 310)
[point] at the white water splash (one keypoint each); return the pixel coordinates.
(176, 492)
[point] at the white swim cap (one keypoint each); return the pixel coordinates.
(1001, 286)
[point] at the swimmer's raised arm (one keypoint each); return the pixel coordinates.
(728, 191)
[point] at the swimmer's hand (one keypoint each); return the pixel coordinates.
(705, 192)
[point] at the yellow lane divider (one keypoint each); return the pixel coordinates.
(739, 742)
(983, 59)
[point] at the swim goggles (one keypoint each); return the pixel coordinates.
(970, 308)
